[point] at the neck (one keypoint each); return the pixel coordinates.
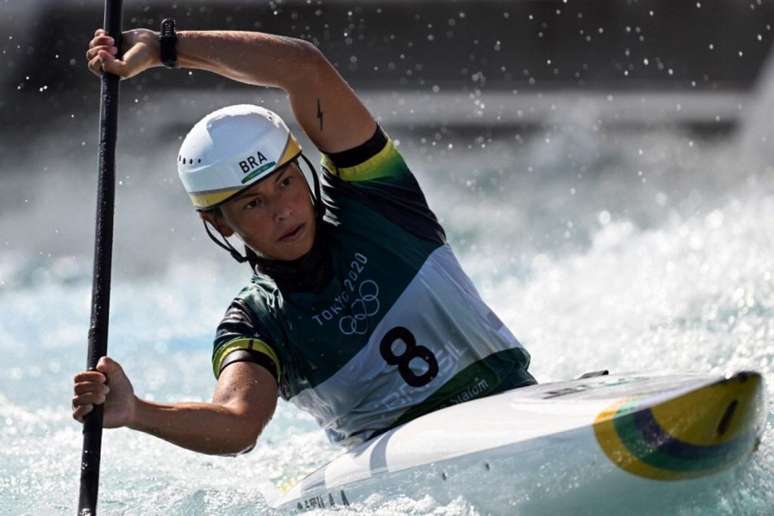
(309, 273)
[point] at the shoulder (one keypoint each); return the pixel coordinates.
(255, 310)
(377, 157)
(243, 312)
(257, 297)
(374, 178)
(244, 333)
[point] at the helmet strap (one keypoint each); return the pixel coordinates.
(227, 245)
(319, 206)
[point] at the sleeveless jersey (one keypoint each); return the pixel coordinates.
(397, 332)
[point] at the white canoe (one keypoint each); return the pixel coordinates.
(606, 442)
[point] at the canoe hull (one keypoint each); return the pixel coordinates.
(612, 442)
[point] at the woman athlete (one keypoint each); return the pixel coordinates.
(357, 310)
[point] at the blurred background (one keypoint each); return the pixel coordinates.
(603, 170)
(432, 71)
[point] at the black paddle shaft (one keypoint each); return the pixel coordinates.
(103, 256)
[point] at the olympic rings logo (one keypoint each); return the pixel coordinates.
(366, 305)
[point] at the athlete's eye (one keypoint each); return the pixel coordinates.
(286, 181)
(255, 203)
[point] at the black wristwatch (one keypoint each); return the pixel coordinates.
(168, 43)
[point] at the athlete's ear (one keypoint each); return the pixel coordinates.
(215, 218)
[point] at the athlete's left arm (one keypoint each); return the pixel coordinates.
(325, 106)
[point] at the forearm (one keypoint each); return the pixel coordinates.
(249, 57)
(325, 106)
(202, 427)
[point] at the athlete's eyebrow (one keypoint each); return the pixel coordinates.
(281, 172)
(279, 175)
(243, 195)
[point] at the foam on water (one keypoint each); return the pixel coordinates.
(622, 251)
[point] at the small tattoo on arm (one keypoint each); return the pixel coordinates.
(320, 114)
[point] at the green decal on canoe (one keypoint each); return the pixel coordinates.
(646, 440)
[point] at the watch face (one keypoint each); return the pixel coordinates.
(168, 27)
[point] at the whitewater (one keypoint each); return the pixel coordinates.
(630, 249)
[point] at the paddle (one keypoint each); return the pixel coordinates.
(103, 255)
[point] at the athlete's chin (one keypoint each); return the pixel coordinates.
(295, 255)
(294, 250)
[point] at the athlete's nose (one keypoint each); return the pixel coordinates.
(282, 211)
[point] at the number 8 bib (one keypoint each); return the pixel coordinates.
(411, 352)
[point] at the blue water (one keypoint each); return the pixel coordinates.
(600, 248)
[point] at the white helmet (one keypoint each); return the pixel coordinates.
(231, 149)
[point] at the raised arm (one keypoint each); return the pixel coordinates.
(327, 109)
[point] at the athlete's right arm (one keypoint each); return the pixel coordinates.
(243, 403)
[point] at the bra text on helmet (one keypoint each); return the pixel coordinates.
(252, 162)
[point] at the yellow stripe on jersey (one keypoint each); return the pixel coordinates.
(387, 162)
(243, 343)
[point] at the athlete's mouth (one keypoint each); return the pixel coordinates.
(293, 234)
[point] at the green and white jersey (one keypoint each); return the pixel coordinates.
(397, 330)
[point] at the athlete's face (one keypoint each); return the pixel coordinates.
(275, 216)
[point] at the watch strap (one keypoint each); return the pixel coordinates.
(168, 43)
